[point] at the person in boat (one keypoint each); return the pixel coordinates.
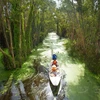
(54, 70)
(54, 60)
(54, 65)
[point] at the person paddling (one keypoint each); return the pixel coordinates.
(54, 60)
(54, 65)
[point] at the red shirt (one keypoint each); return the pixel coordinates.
(54, 62)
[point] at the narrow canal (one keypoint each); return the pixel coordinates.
(81, 85)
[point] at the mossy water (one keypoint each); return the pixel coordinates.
(81, 84)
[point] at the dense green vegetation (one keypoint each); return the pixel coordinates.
(25, 23)
(22, 73)
(82, 27)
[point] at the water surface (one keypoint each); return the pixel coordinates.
(81, 85)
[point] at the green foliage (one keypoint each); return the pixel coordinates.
(92, 62)
(19, 74)
(41, 37)
(83, 29)
(1, 59)
(6, 60)
(24, 72)
(29, 22)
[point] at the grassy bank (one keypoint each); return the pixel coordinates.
(19, 74)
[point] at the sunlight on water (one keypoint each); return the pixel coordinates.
(80, 83)
(73, 71)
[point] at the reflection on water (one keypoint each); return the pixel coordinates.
(22, 90)
(80, 83)
(15, 94)
(77, 83)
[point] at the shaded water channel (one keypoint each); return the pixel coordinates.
(80, 83)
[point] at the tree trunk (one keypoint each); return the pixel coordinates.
(11, 42)
(20, 42)
(4, 32)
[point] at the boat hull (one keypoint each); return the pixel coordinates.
(55, 80)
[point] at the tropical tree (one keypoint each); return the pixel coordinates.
(23, 25)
